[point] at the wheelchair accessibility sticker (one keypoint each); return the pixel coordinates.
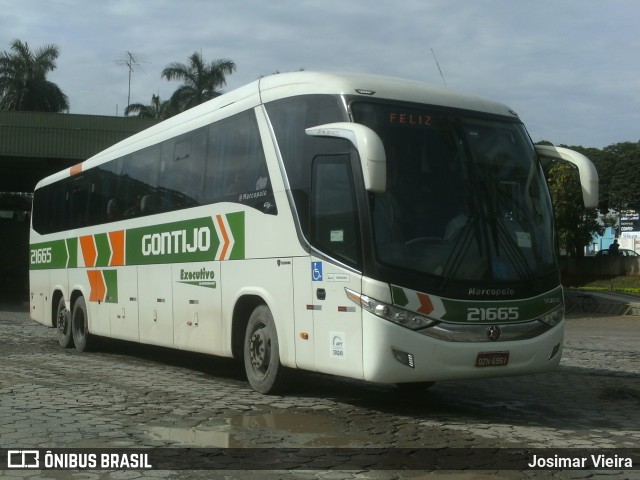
(316, 271)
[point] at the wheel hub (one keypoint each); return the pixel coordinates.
(62, 321)
(259, 356)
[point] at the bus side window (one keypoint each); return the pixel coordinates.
(78, 201)
(137, 177)
(114, 212)
(181, 177)
(50, 208)
(289, 117)
(236, 168)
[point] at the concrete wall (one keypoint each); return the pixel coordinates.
(601, 266)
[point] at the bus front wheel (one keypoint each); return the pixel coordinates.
(63, 324)
(414, 387)
(80, 326)
(261, 355)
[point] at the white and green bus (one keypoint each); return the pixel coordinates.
(362, 226)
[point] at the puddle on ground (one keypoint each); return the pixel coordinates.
(500, 405)
(286, 421)
(216, 437)
(302, 428)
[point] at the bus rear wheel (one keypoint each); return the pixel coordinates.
(80, 326)
(261, 355)
(63, 324)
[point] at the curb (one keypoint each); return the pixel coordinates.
(611, 303)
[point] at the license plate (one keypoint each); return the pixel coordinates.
(492, 359)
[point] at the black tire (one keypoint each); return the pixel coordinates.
(63, 325)
(261, 355)
(589, 305)
(83, 340)
(414, 387)
(568, 305)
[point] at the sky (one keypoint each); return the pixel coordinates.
(569, 68)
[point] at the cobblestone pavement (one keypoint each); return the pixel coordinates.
(126, 395)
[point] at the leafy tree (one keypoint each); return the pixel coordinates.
(158, 110)
(617, 167)
(23, 80)
(602, 162)
(575, 224)
(202, 82)
(623, 167)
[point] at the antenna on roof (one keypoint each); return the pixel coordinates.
(131, 60)
(439, 69)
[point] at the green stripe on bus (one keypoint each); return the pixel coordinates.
(529, 309)
(72, 249)
(48, 255)
(111, 283)
(236, 223)
(195, 240)
(399, 297)
(103, 249)
(186, 241)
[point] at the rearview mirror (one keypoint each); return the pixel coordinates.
(372, 157)
(586, 170)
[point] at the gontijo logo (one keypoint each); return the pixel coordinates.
(177, 241)
(198, 240)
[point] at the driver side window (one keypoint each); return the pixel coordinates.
(334, 219)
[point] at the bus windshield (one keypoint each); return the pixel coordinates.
(466, 198)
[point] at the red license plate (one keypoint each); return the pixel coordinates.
(492, 359)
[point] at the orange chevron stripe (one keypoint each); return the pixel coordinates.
(225, 238)
(98, 287)
(89, 252)
(117, 248)
(426, 306)
(76, 169)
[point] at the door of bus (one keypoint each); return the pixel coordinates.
(334, 230)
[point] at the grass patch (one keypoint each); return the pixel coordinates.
(622, 284)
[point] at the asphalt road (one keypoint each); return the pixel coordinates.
(127, 396)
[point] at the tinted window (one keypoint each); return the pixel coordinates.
(289, 118)
(221, 162)
(236, 170)
(334, 219)
(181, 172)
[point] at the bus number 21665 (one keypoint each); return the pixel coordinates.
(40, 255)
(492, 314)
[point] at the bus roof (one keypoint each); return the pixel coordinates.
(284, 85)
(299, 83)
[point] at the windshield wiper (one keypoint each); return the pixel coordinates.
(461, 245)
(513, 253)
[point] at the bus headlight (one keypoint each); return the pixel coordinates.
(400, 316)
(554, 317)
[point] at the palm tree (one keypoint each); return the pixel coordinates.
(158, 110)
(23, 80)
(201, 82)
